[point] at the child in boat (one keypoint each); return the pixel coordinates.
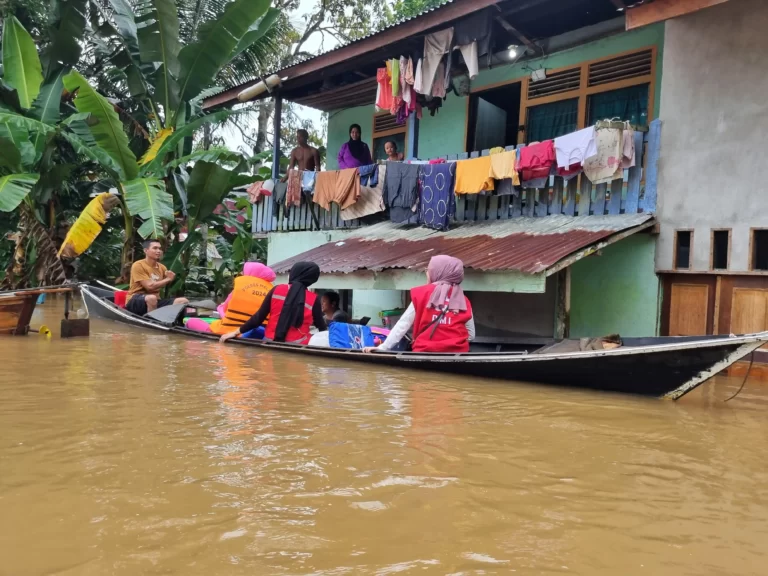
(245, 299)
(439, 312)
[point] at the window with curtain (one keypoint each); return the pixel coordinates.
(626, 104)
(548, 121)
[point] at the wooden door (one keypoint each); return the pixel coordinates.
(688, 310)
(749, 311)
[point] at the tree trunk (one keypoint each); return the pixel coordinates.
(126, 258)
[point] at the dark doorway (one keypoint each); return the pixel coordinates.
(494, 118)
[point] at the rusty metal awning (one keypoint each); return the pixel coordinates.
(525, 245)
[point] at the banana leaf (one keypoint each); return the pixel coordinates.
(201, 61)
(151, 152)
(21, 64)
(147, 199)
(88, 225)
(208, 185)
(158, 35)
(14, 188)
(66, 41)
(220, 155)
(156, 165)
(257, 31)
(108, 131)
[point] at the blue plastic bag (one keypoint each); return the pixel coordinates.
(255, 334)
(348, 336)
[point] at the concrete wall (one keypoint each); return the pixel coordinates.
(715, 121)
(445, 133)
(508, 314)
(617, 291)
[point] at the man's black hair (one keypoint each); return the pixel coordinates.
(333, 299)
(147, 243)
(303, 133)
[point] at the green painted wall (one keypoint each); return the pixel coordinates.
(338, 130)
(617, 292)
(444, 133)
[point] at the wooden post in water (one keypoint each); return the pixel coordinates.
(563, 304)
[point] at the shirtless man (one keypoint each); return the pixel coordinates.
(304, 156)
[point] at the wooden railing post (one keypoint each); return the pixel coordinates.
(652, 167)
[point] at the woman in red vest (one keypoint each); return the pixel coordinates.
(440, 314)
(291, 308)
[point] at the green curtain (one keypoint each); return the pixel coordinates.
(626, 104)
(549, 121)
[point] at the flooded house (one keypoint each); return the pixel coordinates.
(673, 243)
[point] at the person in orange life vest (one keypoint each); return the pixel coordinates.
(291, 309)
(246, 297)
(439, 312)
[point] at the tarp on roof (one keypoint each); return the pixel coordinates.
(527, 245)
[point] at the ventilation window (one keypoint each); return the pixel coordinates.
(624, 67)
(759, 249)
(556, 83)
(385, 123)
(683, 240)
(721, 240)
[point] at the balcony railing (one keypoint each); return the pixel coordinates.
(635, 193)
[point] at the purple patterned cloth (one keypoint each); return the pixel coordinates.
(438, 202)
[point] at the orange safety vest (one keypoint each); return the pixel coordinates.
(294, 335)
(247, 297)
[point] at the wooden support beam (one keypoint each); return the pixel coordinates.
(660, 10)
(563, 304)
(514, 31)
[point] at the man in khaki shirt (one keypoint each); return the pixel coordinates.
(148, 277)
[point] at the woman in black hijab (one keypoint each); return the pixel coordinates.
(354, 153)
(291, 308)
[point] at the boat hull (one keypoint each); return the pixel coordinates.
(15, 313)
(661, 367)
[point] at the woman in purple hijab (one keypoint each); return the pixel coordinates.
(354, 153)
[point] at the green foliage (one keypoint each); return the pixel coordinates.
(14, 188)
(147, 198)
(22, 70)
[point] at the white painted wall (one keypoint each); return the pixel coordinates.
(714, 109)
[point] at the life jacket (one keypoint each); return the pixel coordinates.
(450, 332)
(247, 296)
(294, 335)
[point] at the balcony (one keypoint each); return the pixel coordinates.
(634, 194)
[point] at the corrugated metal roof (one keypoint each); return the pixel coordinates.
(529, 245)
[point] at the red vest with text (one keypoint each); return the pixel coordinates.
(450, 333)
(295, 335)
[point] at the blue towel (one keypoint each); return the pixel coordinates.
(348, 336)
(255, 334)
(369, 175)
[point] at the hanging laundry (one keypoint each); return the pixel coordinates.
(409, 72)
(395, 76)
(536, 161)
(254, 192)
(308, 181)
(496, 150)
(340, 186)
(503, 166)
(293, 193)
(628, 149)
(506, 187)
(369, 175)
(605, 165)
(438, 202)
(371, 200)
(472, 36)
(438, 86)
(404, 86)
(281, 188)
(436, 45)
(437, 161)
(574, 148)
(417, 78)
(472, 176)
(384, 98)
(401, 192)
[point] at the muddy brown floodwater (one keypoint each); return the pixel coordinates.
(143, 454)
